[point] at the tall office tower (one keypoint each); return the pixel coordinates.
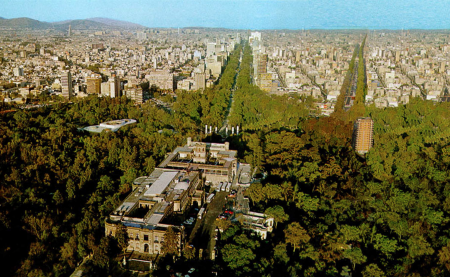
(200, 81)
(363, 135)
(298, 56)
(93, 84)
(69, 33)
(262, 63)
(134, 93)
(210, 49)
(104, 89)
(114, 86)
(66, 84)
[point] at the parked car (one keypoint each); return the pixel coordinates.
(228, 211)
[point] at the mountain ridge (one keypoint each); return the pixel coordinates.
(81, 24)
(115, 22)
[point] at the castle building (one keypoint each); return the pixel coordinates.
(176, 184)
(147, 210)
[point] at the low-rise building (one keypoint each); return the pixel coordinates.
(259, 223)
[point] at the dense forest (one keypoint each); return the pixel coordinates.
(336, 213)
(58, 184)
(340, 214)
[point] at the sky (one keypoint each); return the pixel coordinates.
(244, 14)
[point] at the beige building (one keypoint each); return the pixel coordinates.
(161, 79)
(93, 85)
(135, 93)
(265, 82)
(199, 81)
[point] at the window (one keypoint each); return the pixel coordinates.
(145, 237)
(156, 238)
(137, 236)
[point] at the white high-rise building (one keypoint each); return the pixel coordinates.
(210, 49)
(104, 89)
(114, 85)
(254, 36)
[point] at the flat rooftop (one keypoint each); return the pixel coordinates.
(111, 126)
(161, 183)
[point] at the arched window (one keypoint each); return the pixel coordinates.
(146, 248)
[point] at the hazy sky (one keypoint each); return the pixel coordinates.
(244, 14)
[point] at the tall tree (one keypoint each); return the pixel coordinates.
(169, 245)
(296, 235)
(122, 237)
(278, 214)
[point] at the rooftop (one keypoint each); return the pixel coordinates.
(161, 183)
(153, 197)
(112, 125)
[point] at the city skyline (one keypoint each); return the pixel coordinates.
(248, 14)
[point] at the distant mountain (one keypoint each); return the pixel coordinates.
(116, 23)
(61, 22)
(23, 22)
(82, 24)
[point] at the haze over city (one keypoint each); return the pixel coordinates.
(245, 14)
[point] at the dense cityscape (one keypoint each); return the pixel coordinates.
(193, 151)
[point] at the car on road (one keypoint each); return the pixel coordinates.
(189, 221)
(191, 270)
(222, 216)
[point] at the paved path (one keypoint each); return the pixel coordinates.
(203, 232)
(230, 102)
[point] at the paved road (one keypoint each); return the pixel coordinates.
(203, 232)
(351, 93)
